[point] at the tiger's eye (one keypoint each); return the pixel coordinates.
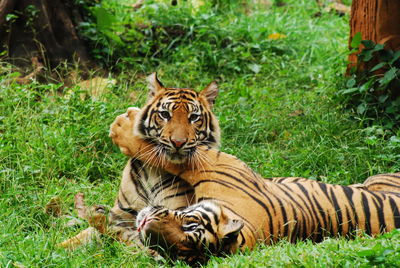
(165, 115)
(194, 117)
(190, 227)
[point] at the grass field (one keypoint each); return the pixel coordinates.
(278, 109)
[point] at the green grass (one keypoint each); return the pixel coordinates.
(51, 145)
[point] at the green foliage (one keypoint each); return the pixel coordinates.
(372, 91)
(161, 32)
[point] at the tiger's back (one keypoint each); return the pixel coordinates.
(318, 210)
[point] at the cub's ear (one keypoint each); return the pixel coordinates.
(230, 231)
(154, 84)
(210, 93)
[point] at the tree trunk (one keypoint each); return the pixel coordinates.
(378, 21)
(42, 29)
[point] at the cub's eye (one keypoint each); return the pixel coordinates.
(194, 117)
(190, 227)
(165, 115)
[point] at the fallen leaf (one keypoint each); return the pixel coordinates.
(255, 68)
(255, 5)
(53, 207)
(138, 4)
(296, 113)
(286, 135)
(276, 36)
(38, 67)
(18, 265)
(196, 4)
(95, 87)
(339, 8)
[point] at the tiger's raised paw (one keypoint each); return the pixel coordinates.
(121, 130)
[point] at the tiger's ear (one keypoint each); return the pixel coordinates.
(210, 93)
(154, 84)
(230, 231)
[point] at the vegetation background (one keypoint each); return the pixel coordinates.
(280, 67)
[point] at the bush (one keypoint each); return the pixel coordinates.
(159, 32)
(372, 92)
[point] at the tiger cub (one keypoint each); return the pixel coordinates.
(176, 121)
(235, 208)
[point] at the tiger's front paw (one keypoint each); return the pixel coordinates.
(96, 215)
(121, 130)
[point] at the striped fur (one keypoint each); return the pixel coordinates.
(383, 183)
(192, 124)
(236, 208)
(142, 185)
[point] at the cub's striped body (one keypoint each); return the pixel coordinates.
(142, 186)
(236, 208)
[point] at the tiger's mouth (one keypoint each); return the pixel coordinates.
(175, 156)
(178, 157)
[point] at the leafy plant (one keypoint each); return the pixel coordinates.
(160, 32)
(372, 92)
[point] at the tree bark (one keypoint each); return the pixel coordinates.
(45, 29)
(378, 21)
(6, 6)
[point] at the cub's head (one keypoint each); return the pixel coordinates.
(178, 120)
(191, 235)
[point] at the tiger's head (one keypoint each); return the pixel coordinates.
(178, 120)
(192, 234)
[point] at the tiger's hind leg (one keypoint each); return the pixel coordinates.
(383, 183)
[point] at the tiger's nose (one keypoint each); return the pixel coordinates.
(178, 143)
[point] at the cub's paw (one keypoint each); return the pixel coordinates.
(121, 130)
(155, 255)
(97, 218)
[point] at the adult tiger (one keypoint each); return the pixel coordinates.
(236, 208)
(176, 121)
